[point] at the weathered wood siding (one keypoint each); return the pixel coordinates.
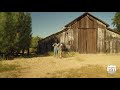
(100, 37)
(46, 45)
(100, 40)
(87, 40)
(112, 42)
(67, 38)
(84, 35)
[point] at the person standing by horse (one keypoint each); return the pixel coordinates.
(55, 45)
(60, 50)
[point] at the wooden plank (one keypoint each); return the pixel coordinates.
(88, 41)
(77, 40)
(81, 41)
(84, 40)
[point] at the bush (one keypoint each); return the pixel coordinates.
(68, 54)
(33, 50)
(51, 53)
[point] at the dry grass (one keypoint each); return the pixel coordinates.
(73, 65)
(8, 70)
(89, 71)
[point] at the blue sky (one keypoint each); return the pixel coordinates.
(47, 23)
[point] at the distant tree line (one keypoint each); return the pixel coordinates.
(15, 32)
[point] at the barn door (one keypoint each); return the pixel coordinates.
(82, 41)
(91, 40)
(87, 40)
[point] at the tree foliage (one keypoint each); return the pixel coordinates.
(7, 32)
(34, 42)
(24, 31)
(15, 31)
(116, 21)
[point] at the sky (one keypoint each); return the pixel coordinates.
(47, 23)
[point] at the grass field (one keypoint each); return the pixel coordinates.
(73, 65)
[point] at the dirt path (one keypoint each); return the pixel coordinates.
(41, 67)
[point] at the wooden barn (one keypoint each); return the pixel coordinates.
(85, 34)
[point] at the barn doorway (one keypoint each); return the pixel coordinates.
(87, 40)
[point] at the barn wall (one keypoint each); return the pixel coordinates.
(101, 33)
(100, 40)
(112, 42)
(91, 22)
(75, 42)
(84, 34)
(67, 38)
(46, 45)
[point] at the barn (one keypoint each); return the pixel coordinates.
(85, 34)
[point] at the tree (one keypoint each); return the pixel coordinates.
(28, 30)
(2, 32)
(34, 43)
(8, 33)
(116, 21)
(24, 31)
(15, 32)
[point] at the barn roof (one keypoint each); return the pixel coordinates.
(53, 35)
(112, 30)
(83, 15)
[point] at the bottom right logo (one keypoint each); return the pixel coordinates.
(111, 69)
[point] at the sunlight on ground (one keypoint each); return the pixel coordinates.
(73, 65)
(89, 71)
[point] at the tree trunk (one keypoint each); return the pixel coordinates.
(23, 50)
(28, 52)
(16, 53)
(12, 52)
